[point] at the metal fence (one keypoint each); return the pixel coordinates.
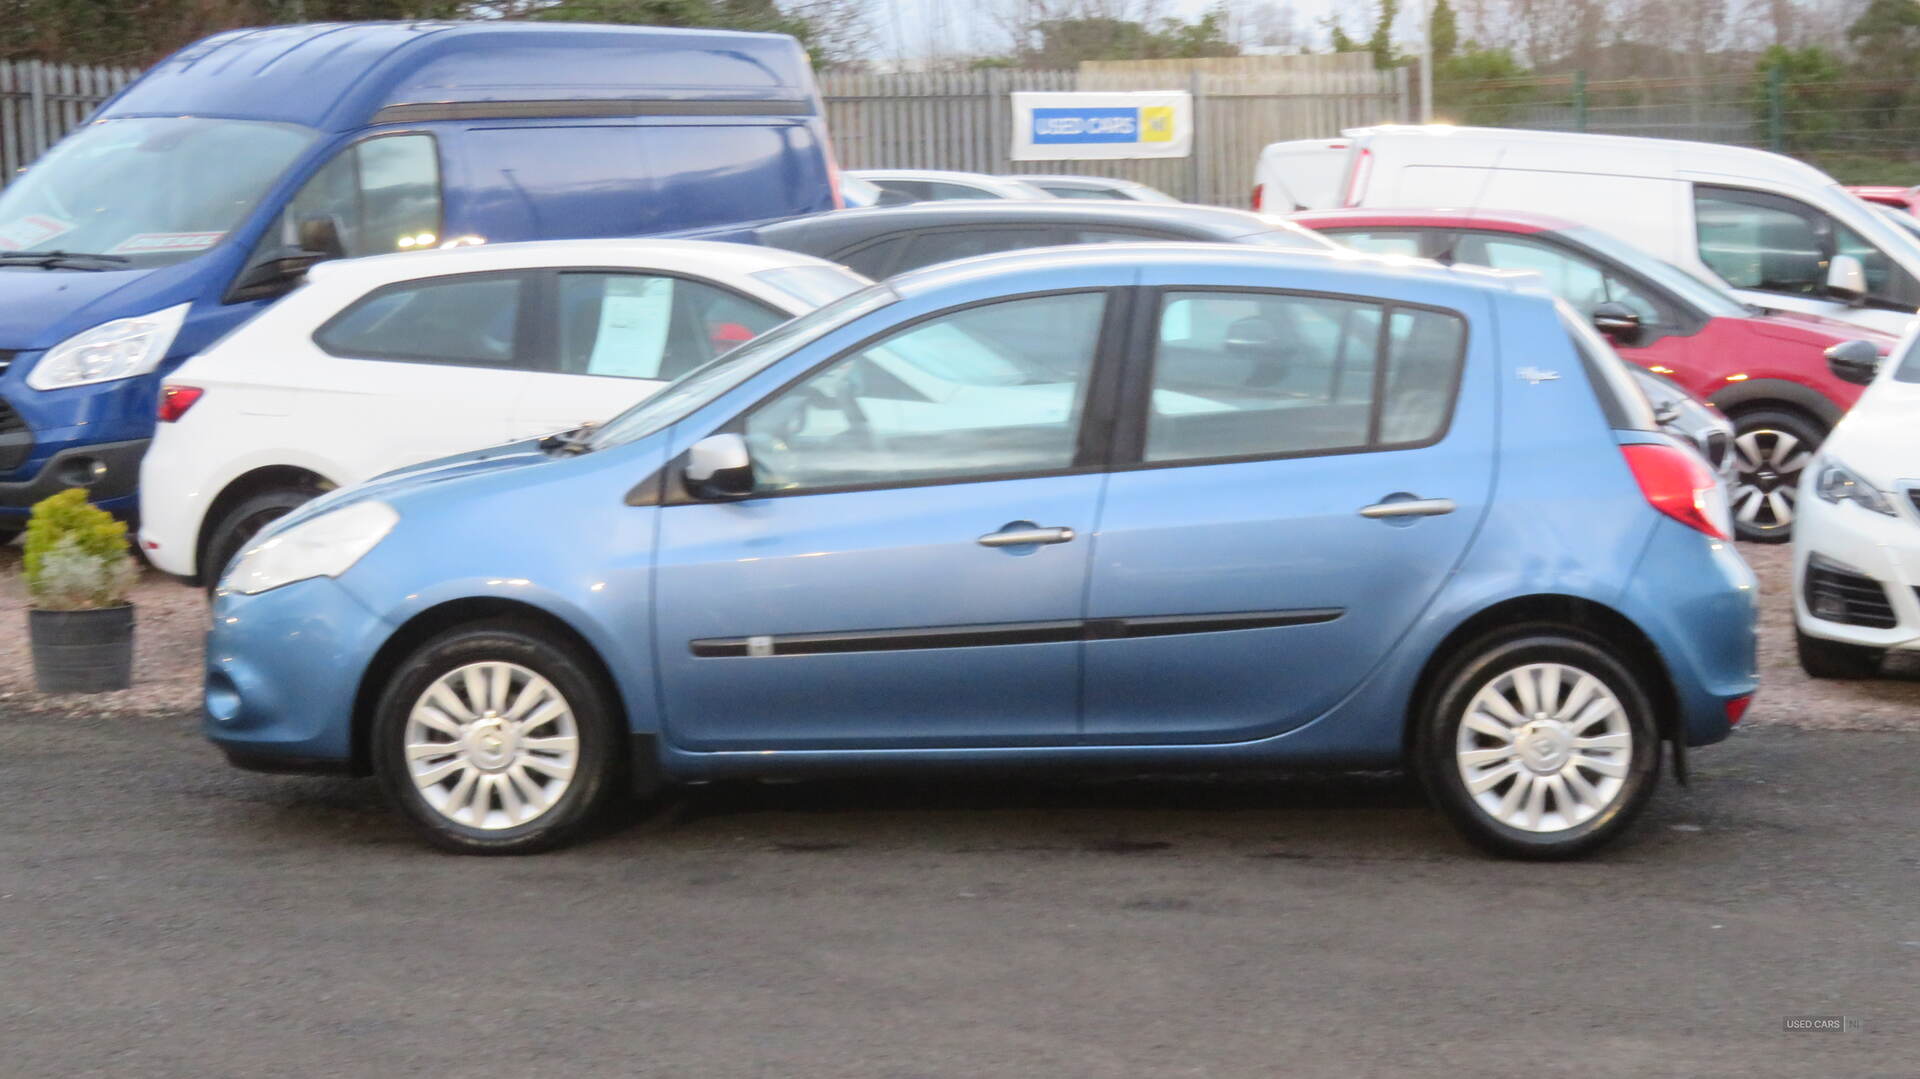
(40, 102)
(962, 120)
(1859, 131)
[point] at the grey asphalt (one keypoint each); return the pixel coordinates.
(163, 915)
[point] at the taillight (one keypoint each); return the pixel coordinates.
(175, 400)
(1257, 190)
(833, 178)
(1362, 172)
(1737, 708)
(1679, 484)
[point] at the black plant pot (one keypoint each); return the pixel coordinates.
(82, 651)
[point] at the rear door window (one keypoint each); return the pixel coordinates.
(630, 325)
(472, 320)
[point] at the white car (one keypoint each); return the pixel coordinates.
(1779, 232)
(937, 185)
(1856, 540)
(382, 362)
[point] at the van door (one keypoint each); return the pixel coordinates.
(614, 337)
(1776, 251)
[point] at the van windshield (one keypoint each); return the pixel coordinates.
(149, 190)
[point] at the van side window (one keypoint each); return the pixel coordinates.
(1246, 374)
(383, 195)
(471, 321)
(1771, 243)
(630, 325)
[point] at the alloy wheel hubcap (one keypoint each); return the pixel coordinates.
(491, 745)
(1770, 462)
(1544, 747)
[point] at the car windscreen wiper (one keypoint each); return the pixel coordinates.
(78, 260)
(568, 443)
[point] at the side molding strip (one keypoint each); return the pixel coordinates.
(1097, 629)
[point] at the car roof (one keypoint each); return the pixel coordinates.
(1069, 178)
(702, 257)
(930, 174)
(1501, 220)
(1626, 154)
(836, 230)
(1061, 260)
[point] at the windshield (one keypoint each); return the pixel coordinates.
(1714, 300)
(1903, 220)
(682, 396)
(152, 190)
(1909, 369)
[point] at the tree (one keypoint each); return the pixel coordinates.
(1338, 36)
(1480, 86)
(1443, 30)
(1064, 43)
(1886, 37)
(1381, 43)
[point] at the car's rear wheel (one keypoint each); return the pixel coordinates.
(1771, 447)
(243, 521)
(1822, 658)
(496, 739)
(1540, 744)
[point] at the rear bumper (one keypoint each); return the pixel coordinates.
(1697, 600)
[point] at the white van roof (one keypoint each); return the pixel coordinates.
(1569, 151)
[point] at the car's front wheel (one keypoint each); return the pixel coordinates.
(1541, 744)
(1771, 447)
(496, 739)
(243, 521)
(1822, 658)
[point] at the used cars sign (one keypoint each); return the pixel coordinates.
(1094, 126)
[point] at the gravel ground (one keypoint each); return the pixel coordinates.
(173, 620)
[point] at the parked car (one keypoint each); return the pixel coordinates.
(1692, 421)
(938, 185)
(1856, 551)
(386, 361)
(1095, 187)
(1778, 231)
(1766, 370)
(1300, 174)
(1155, 507)
(879, 243)
(1905, 200)
(201, 192)
(857, 193)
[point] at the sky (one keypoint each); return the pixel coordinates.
(910, 28)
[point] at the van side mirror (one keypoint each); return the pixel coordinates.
(1618, 322)
(1854, 361)
(719, 467)
(320, 235)
(1846, 279)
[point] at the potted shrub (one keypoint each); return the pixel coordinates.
(78, 575)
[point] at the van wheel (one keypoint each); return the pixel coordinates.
(494, 739)
(1771, 447)
(1540, 745)
(1822, 658)
(244, 521)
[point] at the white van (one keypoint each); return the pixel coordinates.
(1782, 233)
(1301, 174)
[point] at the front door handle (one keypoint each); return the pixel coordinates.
(1026, 537)
(1412, 507)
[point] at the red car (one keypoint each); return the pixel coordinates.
(1766, 370)
(1900, 198)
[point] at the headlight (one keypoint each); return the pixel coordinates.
(122, 348)
(1835, 483)
(323, 546)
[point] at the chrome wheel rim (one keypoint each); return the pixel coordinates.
(491, 745)
(1769, 464)
(1544, 748)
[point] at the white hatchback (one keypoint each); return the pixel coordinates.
(382, 362)
(1856, 533)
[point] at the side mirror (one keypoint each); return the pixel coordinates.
(1846, 279)
(274, 277)
(320, 235)
(1854, 361)
(1618, 322)
(719, 467)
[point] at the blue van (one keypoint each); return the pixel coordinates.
(206, 188)
(1166, 507)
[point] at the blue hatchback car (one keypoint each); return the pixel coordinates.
(1146, 506)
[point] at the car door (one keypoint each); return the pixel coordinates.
(1307, 473)
(613, 337)
(420, 369)
(911, 569)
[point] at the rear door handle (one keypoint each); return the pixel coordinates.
(1026, 537)
(1412, 507)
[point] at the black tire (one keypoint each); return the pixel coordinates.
(1479, 667)
(1835, 659)
(1764, 429)
(243, 521)
(599, 775)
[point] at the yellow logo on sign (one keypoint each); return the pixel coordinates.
(1156, 123)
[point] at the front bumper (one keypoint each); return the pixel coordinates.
(1873, 550)
(283, 670)
(110, 471)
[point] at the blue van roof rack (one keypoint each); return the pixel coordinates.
(339, 76)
